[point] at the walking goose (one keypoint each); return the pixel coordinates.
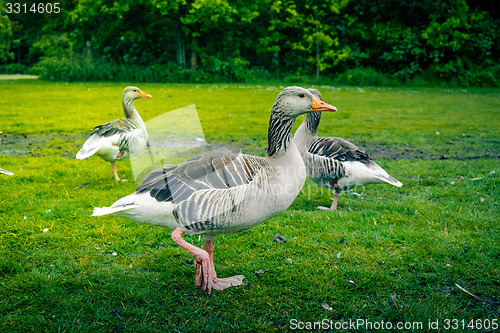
(7, 172)
(117, 138)
(220, 192)
(336, 163)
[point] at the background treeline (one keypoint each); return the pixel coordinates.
(342, 41)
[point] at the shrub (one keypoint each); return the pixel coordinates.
(14, 69)
(365, 77)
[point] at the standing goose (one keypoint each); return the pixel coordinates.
(117, 138)
(219, 192)
(336, 163)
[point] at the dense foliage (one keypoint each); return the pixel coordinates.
(236, 40)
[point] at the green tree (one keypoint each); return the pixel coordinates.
(6, 41)
(222, 34)
(227, 39)
(304, 35)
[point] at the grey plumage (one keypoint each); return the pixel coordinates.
(116, 139)
(220, 192)
(334, 162)
(208, 172)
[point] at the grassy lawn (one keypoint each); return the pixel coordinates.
(388, 254)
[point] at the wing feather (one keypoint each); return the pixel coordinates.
(117, 126)
(339, 149)
(220, 169)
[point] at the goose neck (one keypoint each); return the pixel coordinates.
(279, 135)
(131, 112)
(312, 122)
(128, 107)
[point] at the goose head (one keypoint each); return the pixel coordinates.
(129, 95)
(294, 101)
(290, 103)
(133, 93)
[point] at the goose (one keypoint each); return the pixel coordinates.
(7, 172)
(336, 163)
(115, 139)
(221, 192)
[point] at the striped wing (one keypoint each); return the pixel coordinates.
(207, 189)
(325, 157)
(339, 149)
(117, 126)
(126, 131)
(218, 169)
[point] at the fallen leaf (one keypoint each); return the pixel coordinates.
(82, 185)
(326, 306)
(279, 238)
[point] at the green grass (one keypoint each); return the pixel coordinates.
(404, 249)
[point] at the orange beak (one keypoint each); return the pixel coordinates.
(319, 105)
(142, 94)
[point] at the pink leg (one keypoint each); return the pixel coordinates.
(114, 172)
(201, 257)
(335, 199)
(334, 203)
(336, 195)
(219, 283)
(206, 277)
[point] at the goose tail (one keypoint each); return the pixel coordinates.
(7, 172)
(90, 147)
(389, 180)
(101, 211)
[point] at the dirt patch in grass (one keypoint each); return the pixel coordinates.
(68, 145)
(446, 151)
(19, 145)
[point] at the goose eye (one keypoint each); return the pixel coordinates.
(302, 95)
